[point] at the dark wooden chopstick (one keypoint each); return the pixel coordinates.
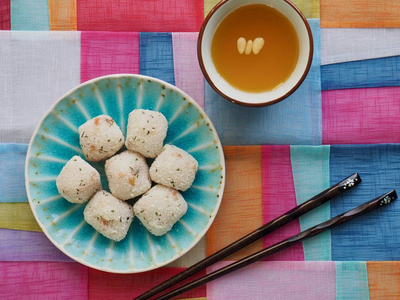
(321, 198)
(313, 231)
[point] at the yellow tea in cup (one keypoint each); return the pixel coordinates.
(270, 53)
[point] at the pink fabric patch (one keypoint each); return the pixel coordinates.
(5, 15)
(140, 15)
(188, 76)
(361, 116)
(276, 280)
(104, 53)
(104, 285)
(43, 280)
(279, 197)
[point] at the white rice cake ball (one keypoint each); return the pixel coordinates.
(174, 168)
(109, 215)
(78, 181)
(146, 132)
(160, 208)
(100, 138)
(128, 175)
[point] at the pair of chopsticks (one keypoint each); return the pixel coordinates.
(289, 216)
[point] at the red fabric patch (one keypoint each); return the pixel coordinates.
(140, 15)
(104, 285)
(104, 53)
(43, 280)
(5, 15)
(361, 116)
(278, 197)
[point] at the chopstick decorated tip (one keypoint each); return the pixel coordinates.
(323, 197)
(313, 231)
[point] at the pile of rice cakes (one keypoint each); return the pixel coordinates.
(160, 204)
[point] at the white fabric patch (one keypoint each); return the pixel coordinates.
(37, 68)
(349, 44)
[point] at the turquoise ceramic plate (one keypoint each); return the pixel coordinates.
(56, 140)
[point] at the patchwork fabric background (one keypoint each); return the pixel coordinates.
(343, 119)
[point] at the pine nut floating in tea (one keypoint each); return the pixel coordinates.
(271, 51)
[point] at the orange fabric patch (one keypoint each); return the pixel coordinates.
(241, 207)
(360, 13)
(383, 280)
(62, 15)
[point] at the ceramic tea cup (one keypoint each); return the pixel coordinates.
(258, 98)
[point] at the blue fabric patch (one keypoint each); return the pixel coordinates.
(369, 237)
(296, 120)
(156, 56)
(12, 172)
(310, 167)
(351, 280)
(377, 72)
(30, 15)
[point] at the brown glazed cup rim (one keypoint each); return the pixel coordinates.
(270, 102)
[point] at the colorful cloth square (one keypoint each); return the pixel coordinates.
(343, 119)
